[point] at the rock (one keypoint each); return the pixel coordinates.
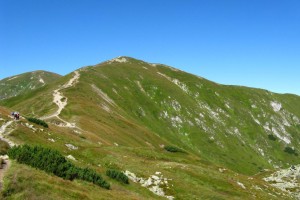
(71, 147)
(71, 157)
(51, 139)
(155, 177)
(4, 157)
(153, 183)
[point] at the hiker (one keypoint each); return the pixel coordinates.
(16, 115)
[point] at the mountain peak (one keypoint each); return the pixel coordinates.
(123, 59)
(120, 59)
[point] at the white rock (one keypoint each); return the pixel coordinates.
(4, 157)
(119, 60)
(241, 185)
(71, 157)
(51, 139)
(71, 147)
(276, 106)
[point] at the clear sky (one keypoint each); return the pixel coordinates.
(254, 43)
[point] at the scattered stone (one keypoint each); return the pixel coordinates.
(51, 139)
(286, 180)
(276, 106)
(71, 157)
(77, 132)
(71, 147)
(241, 185)
(154, 183)
(222, 170)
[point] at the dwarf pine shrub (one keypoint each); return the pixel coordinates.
(290, 150)
(51, 161)
(117, 175)
(38, 121)
(173, 149)
(272, 137)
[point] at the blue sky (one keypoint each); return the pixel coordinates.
(254, 43)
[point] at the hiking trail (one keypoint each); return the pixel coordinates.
(62, 101)
(2, 131)
(11, 144)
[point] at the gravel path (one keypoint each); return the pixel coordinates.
(61, 101)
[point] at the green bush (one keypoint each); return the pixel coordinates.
(53, 162)
(272, 137)
(118, 175)
(173, 149)
(4, 146)
(38, 121)
(290, 151)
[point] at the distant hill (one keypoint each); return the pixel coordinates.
(22, 83)
(209, 141)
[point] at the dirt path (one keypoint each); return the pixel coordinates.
(61, 101)
(11, 144)
(4, 169)
(2, 133)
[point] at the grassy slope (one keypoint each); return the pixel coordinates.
(163, 95)
(137, 124)
(192, 177)
(22, 83)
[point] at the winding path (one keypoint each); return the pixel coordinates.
(61, 101)
(11, 144)
(2, 131)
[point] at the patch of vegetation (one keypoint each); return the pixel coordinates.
(173, 149)
(3, 147)
(1, 163)
(38, 121)
(82, 137)
(272, 137)
(290, 150)
(118, 175)
(53, 162)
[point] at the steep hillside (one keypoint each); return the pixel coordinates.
(22, 83)
(123, 112)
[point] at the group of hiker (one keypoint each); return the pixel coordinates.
(16, 115)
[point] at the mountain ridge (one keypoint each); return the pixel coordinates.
(21, 83)
(124, 112)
